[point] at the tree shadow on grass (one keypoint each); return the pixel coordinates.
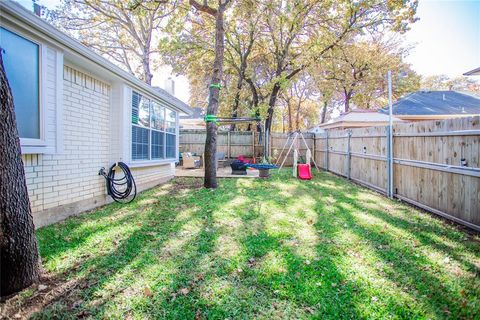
(164, 259)
(178, 295)
(409, 268)
(428, 235)
(95, 275)
(421, 225)
(281, 282)
(64, 237)
(443, 296)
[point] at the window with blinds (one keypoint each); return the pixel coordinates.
(153, 130)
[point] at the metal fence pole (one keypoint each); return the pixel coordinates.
(229, 151)
(390, 135)
(269, 144)
(389, 161)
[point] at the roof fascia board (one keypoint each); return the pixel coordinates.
(474, 72)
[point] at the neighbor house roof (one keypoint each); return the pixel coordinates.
(195, 120)
(435, 103)
(70, 45)
(195, 113)
(474, 72)
(358, 118)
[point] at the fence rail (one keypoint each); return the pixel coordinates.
(436, 164)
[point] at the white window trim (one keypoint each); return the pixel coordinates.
(42, 54)
(151, 162)
(40, 145)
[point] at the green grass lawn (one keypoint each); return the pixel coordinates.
(269, 249)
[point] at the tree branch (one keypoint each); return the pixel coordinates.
(203, 7)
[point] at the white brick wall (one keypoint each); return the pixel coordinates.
(56, 180)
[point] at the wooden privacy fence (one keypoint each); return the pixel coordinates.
(436, 164)
(233, 144)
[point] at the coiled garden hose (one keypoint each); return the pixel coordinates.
(120, 189)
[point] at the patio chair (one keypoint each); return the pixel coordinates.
(221, 159)
(189, 161)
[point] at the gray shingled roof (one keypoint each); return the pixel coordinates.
(435, 103)
(195, 113)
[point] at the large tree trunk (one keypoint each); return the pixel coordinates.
(210, 180)
(18, 246)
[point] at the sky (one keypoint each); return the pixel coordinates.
(446, 39)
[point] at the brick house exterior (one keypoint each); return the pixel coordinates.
(90, 114)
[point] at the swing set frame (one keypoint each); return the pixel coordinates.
(293, 138)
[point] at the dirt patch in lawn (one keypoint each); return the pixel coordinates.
(33, 299)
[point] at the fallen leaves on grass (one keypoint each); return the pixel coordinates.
(184, 291)
(147, 292)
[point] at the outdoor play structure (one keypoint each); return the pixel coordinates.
(239, 166)
(301, 170)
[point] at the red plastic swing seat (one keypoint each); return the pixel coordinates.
(304, 171)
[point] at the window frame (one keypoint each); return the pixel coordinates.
(41, 141)
(150, 161)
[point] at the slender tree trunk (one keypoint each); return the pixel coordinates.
(241, 77)
(271, 106)
(324, 112)
(18, 246)
(290, 118)
(273, 97)
(348, 97)
(297, 117)
(235, 107)
(210, 180)
(147, 74)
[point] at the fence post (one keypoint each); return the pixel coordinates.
(326, 152)
(229, 152)
(313, 148)
(269, 144)
(253, 145)
(349, 134)
(389, 162)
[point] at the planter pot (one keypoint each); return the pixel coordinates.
(264, 173)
